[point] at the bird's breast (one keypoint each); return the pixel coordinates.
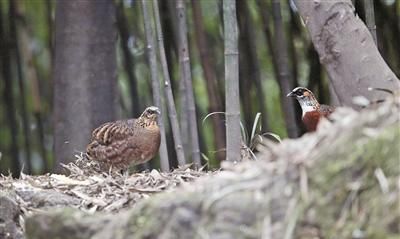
(311, 119)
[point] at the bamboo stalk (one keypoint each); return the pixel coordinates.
(170, 25)
(168, 91)
(215, 104)
(186, 77)
(21, 85)
(233, 139)
(152, 58)
(370, 18)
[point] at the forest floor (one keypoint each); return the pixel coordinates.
(86, 188)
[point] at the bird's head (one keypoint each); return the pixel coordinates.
(301, 93)
(150, 113)
(306, 98)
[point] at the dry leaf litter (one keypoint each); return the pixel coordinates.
(90, 189)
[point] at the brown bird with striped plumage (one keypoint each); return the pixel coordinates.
(122, 143)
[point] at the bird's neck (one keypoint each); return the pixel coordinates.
(309, 104)
(146, 122)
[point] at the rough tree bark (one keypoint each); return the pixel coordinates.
(347, 50)
(84, 73)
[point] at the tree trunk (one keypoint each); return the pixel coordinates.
(347, 50)
(84, 74)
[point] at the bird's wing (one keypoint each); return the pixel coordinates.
(121, 150)
(113, 131)
(326, 110)
(118, 153)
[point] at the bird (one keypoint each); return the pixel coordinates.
(312, 110)
(123, 143)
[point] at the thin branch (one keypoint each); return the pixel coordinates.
(168, 91)
(155, 83)
(186, 77)
(233, 139)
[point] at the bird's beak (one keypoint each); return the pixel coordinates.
(291, 94)
(158, 111)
